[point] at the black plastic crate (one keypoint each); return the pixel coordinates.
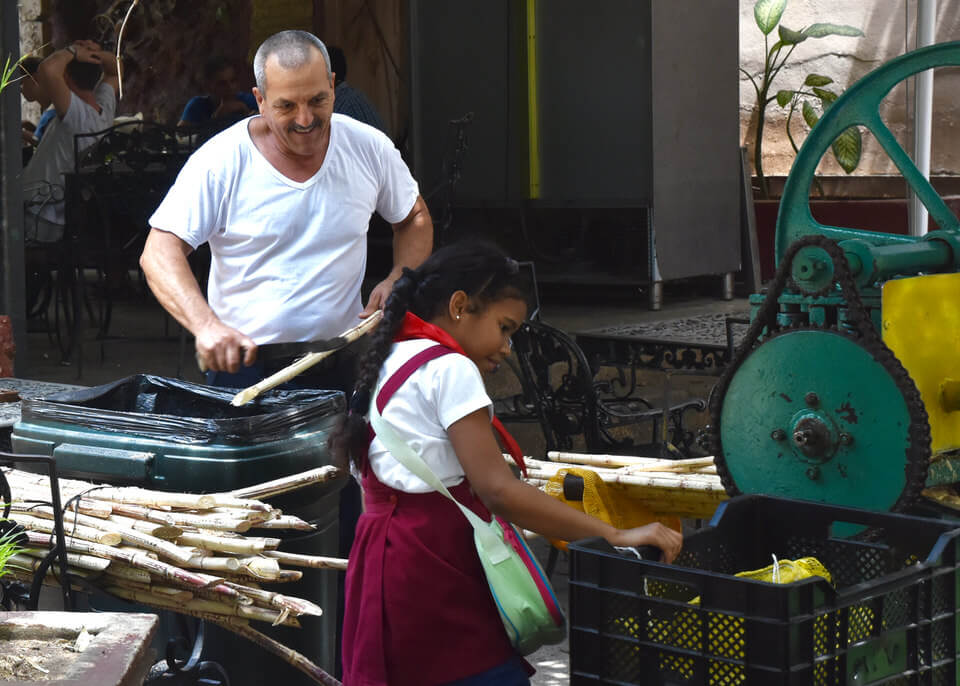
(888, 617)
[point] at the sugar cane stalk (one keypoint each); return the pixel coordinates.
(305, 362)
(285, 484)
(243, 546)
(288, 655)
(311, 561)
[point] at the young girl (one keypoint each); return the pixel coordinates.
(418, 608)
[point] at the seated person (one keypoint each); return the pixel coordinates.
(81, 83)
(223, 104)
(347, 99)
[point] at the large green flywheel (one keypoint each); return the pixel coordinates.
(812, 413)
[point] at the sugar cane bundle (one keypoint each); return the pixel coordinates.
(683, 488)
(188, 553)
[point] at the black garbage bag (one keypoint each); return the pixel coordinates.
(184, 412)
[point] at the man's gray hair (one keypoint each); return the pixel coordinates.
(293, 50)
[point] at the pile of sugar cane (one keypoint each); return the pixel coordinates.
(684, 488)
(189, 553)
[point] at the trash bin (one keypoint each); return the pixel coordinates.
(172, 435)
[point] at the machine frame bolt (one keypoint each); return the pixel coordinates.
(812, 399)
(778, 435)
(846, 439)
(813, 473)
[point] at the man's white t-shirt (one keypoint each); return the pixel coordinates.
(288, 257)
(43, 176)
(435, 396)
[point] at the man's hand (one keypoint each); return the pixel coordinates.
(378, 296)
(89, 51)
(222, 349)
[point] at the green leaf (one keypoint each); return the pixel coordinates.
(784, 98)
(827, 97)
(817, 80)
(847, 148)
(821, 30)
(809, 114)
(789, 36)
(768, 13)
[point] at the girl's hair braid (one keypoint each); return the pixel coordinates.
(478, 268)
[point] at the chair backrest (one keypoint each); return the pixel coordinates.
(134, 146)
(121, 175)
(557, 386)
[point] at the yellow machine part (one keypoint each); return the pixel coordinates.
(921, 325)
(611, 506)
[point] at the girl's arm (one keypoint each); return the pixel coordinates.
(504, 495)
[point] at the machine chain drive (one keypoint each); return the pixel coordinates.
(858, 327)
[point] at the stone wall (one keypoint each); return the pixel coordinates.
(31, 40)
(167, 41)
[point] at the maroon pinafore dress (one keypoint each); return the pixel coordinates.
(418, 608)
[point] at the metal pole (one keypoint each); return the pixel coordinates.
(923, 113)
(12, 280)
(656, 279)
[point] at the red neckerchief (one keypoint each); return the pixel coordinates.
(413, 327)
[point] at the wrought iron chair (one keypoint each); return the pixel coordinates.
(561, 393)
(118, 180)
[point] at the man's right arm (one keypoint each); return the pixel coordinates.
(164, 263)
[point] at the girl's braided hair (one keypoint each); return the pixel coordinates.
(478, 268)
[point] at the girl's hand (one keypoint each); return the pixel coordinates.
(656, 534)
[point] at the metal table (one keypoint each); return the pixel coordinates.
(701, 343)
(26, 388)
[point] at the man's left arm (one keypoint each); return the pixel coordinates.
(412, 244)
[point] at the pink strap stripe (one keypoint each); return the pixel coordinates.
(514, 538)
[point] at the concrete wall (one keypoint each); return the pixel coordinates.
(890, 30)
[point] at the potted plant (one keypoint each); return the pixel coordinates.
(9, 71)
(9, 544)
(811, 94)
(814, 94)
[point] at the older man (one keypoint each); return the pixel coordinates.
(284, 200)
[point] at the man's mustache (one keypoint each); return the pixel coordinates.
(296, 128)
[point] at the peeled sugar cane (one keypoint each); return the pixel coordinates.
(177, 551)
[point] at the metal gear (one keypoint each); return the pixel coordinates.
(859, 330)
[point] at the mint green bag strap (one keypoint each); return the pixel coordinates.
(487, 535)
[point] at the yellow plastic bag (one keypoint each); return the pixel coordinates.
(605, 503)
(722, 636)
(784, 572)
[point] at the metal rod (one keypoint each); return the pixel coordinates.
(923, 113)
(909, 259)
(12, 278)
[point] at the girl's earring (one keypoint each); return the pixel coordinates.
(458, 317)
